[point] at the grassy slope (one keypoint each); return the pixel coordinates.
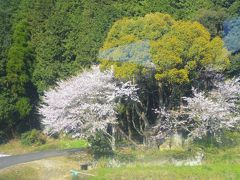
(215, 171)
(218, 164)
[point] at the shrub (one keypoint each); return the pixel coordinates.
(3, 138)
(227, 139)
(33, 137)
(231, 138)
(100, 146)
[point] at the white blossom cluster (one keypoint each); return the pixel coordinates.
(126, 91)
(227, 92)
(169, 122)
(216, 111)
(83, 104)
(203, 114)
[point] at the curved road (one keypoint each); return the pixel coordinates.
(18, 159)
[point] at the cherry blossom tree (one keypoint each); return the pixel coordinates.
(84, 104)
(208, 117)
(211, 113)
(204, 113)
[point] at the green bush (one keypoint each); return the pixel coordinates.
(100, 146)
(231, 138)
(3, 138)
(33, 137)
(227, 139)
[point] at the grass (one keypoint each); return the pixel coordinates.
(70, 144)
(138, 171)
(142, 154)
(218, 164)
(19, 172)
(15, 147)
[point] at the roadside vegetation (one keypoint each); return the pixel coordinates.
(15, 146)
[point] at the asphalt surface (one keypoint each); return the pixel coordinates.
(18, 159)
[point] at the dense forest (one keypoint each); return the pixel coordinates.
(44, 41)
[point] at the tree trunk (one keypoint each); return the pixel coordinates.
(160, 91)
(128, 124)
(113, 143)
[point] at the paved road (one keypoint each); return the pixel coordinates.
(18, 159)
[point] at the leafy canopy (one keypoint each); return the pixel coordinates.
(178, 48)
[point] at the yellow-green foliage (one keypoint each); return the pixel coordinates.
(127, 70)
(177, 47)
(150, 27)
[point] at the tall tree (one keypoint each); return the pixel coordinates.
(85, 104)
(181, 51)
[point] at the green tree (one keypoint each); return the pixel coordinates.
(223, 3)
(234, 69)
(177, 47)
(17, 87)
(213, 20)
(234, 9)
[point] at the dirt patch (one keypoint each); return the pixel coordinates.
(56, 168)
(48, 169)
